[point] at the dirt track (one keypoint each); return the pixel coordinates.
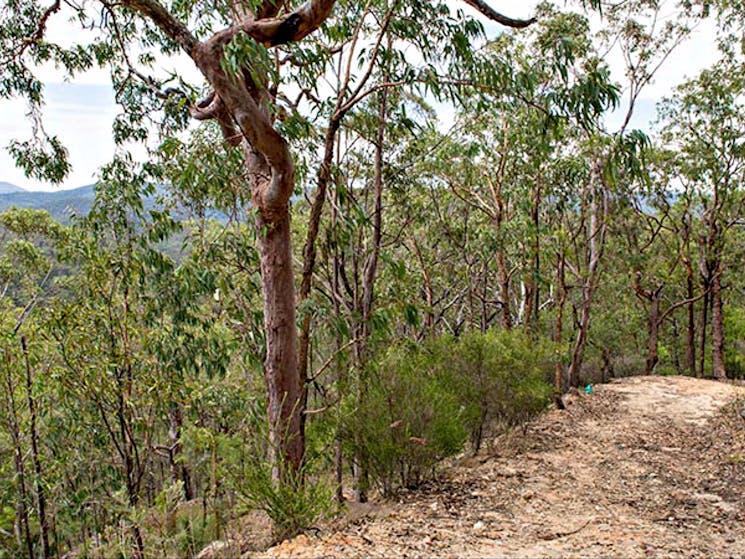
(644, 467)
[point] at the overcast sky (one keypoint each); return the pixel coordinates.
(80, 113)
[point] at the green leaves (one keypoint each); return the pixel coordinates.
(628, 158)
(45, 159)
(246, 59)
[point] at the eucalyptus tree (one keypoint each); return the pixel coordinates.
(655, 225)
(386, 61)
(704, 121)
(645, 38)
(103, 369)
(239, 48)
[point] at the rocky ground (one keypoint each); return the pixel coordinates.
(644, 466)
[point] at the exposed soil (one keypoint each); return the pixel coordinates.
(643, 467)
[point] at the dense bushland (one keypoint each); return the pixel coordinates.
(424, 401)
(452, 274)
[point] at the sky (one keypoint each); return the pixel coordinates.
(81, 112)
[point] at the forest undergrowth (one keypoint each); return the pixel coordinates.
(644, 466)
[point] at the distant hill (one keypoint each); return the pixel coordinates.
(7, 188)
(61, 204)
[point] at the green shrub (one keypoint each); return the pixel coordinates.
(420, 403)
(404, 419)
(174, 528)
(504, 374)
(293, 505)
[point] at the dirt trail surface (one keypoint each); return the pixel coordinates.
(643, 467)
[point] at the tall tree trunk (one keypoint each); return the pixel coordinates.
(653, 331)
(342, 377)
(704, 324)
(580, 342)
(429, 316)
(244, 112)
(38, 475)
(717, 324)
(371, 268)
(505, 320)
(691, 325)
(179, 471)
(598, 227)
(127, 454)
(499, 216)
(309, 258)
(284, 406)
(533, 293)
(559, 329)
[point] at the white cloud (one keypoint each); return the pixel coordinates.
(81, 113)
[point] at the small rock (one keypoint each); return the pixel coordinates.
(302, 540)
(506, 471)
(725, 506)
(709, 497)
(215, 549)
(478, 526)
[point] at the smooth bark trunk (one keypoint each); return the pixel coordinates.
(370, 274)
(717, 325)
(653, 333)
(559, 330)
(505, 320)
(691, 328)
(284, 406)
(704, 324)
(597, 231)
(309, 259)
(580, 342)
(533, 291)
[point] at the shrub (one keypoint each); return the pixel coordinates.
(404, 419)
(419, 403)
(293, 505)
(504, 374)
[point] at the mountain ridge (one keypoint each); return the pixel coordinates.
(62, 204)
(10, 188)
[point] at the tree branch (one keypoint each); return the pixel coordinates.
(273, 31)
(41, 28)
(493, 15)
(212, 108)
(166, 22)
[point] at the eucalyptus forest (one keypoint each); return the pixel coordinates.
(371, 238)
